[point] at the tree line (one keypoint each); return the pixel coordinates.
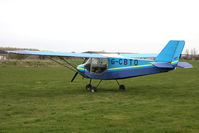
(191, 54)
(17, 56)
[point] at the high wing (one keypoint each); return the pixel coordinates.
(82, 55)
(47, 53)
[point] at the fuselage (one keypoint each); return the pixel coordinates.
(118, 68)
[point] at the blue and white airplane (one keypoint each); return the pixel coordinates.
(120, 66)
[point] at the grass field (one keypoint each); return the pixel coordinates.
(42, 99)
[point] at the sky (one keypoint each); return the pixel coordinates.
(138, 26)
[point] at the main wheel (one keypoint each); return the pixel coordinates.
(93, 89)
(122, 87)
(88, 87)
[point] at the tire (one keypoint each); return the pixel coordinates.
(93, 89)
(88, 87)
(122, 87)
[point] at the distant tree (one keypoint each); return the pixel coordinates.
(193, 54)
(15, 56)
(187, 54)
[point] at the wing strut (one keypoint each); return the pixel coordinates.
(62, 64)
(73, 66)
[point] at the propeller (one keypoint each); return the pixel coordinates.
(74, 76)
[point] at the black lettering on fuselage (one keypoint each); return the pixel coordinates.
(125, 61)
(135, 62)
(120, 61)
(112, 61)
(131, 62)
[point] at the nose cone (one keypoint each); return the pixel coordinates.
(82, 71)
(80, 67)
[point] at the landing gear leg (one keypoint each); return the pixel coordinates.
(89, 86)
(121, 87)
(99, 83)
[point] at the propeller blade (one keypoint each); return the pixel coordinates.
(74, 76)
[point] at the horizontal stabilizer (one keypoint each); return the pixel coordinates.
(162, 65)
(184, 65)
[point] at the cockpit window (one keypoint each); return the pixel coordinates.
(96, 65)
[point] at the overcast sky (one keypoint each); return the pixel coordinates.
(143, 26)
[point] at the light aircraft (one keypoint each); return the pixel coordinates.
(119, 66)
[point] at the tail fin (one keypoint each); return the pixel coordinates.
(171, 51)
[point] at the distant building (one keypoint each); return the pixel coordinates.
(3, 55)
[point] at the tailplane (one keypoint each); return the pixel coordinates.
(184, 65)
(170, 55)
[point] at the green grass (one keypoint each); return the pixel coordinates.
(42, 99)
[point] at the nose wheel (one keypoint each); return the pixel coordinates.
(91, 88)
(88, 87)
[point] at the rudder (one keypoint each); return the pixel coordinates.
(171, 51)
